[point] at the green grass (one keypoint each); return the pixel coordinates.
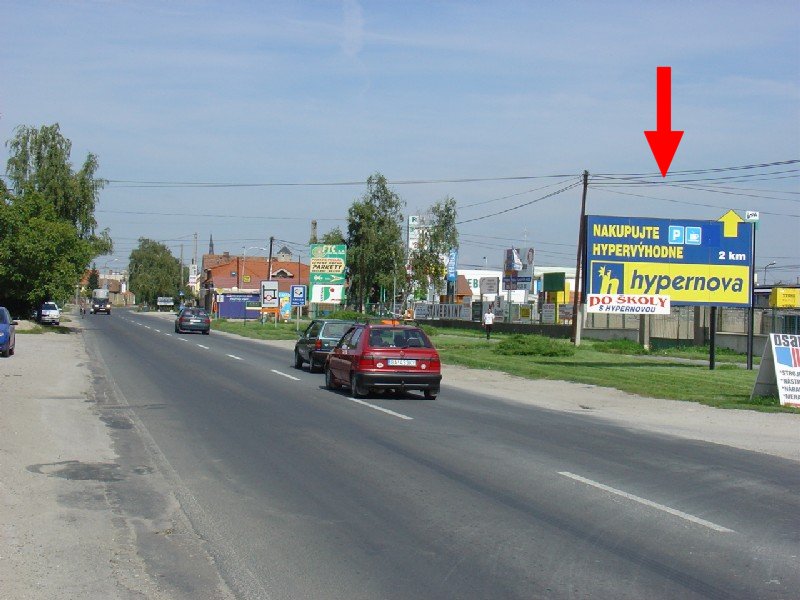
(722, 355)
(37, 329)
(254, 329)
(728, 386)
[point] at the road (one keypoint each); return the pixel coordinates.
(301, 492)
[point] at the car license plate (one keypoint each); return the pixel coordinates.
(195, 320)
(402, 362)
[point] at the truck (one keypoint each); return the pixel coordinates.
(100, 302)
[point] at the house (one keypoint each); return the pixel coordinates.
(239, 277)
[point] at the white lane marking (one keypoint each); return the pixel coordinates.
(158, 331)
(386, 410)
(168, 334)
(285, 375)
(234, 357)
(649, 503)
(183, 339)
(147, 326)
(204, 347)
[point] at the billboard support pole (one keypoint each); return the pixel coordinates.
(712, 347)
(752, 311)
(576, 335)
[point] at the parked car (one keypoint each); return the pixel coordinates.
(100, 305)
(193, 319)
(317, 341)
(50, 313)
(7, 333)
(382, 357)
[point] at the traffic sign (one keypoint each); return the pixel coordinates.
(298, 295)
(269, 294)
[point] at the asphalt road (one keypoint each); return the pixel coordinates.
(301, 492)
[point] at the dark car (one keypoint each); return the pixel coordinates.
(317, 341)
(100, 305)
(7, 333)
(382, 357)
(193, 319)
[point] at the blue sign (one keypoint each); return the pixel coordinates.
(691, 262)
(298, 293)
(452, 263)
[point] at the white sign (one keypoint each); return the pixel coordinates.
(269, 294)
(165, 301)
(751, 216)
(489, 285)
(548, 314)
(328, 294)
(627, 304)
(780, 369)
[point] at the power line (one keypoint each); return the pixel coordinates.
(550, 195)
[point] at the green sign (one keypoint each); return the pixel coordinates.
(553, 282)
(327, 266)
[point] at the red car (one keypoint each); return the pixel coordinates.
(383, 357)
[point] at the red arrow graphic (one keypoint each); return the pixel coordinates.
(663, 141)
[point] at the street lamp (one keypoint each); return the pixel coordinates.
(767, 266)
(244, 259)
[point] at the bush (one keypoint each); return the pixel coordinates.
(346, 315)
(620, 347)
(533, 345)
(429, 330)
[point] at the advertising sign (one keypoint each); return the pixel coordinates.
(285, 305)
(518, 269)
(627, 303)
(779, 371)
(269, 294)
(692, 262)
(165, 301)
(548, 314)
(329, 294)
(452, 264)
(489, 285)
(328, 262)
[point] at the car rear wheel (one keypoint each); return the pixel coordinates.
(330, 382)
(298, 360)
(430, 395)
(314, 367)
(5, 353)
(354, 387)
(206, 332)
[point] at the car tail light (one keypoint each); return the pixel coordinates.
(435, 361)
(366, 361)
(318, 344)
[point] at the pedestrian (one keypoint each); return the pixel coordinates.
(488, 321)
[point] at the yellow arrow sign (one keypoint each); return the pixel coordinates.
(730, 224)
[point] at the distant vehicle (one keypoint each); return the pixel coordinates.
(193, 319)
(100, 302)
(7, 333)
(317, 341)
(383, 357)
(49, 313)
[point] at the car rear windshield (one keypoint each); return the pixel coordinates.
(390, 337)
(195, 312)
(335, 330)
(50, 306)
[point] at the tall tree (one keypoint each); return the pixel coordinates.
(47, 224)
(334, 236)
(374, 241)
(94, 278)
(153, 271)
(438, 235)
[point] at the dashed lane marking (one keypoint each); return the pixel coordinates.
(649, 503)
(384, 410)
(285, 375)
(234, 357)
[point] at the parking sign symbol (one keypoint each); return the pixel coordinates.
(676, 234)
(694, 236)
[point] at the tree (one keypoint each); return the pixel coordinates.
(153, 271)
(94, 278)
(47, 224)
(374, 241)
(438, 235)
(334, 236)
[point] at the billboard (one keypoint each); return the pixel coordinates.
(518, 269)
(692, 262)
(327, 268)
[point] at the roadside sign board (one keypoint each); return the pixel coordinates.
(779, 372)
(627, 304)
(165, 301)
(489, 285)
(269, 294)
(693, 262)
(298, 293)
(328, 262)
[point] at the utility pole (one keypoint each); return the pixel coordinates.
(576, 336)
(194, 260)
(181, 278)
(269, 261)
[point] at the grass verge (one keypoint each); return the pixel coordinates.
(728, 386)
(254, 329)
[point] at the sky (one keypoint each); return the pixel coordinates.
(519, 98)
